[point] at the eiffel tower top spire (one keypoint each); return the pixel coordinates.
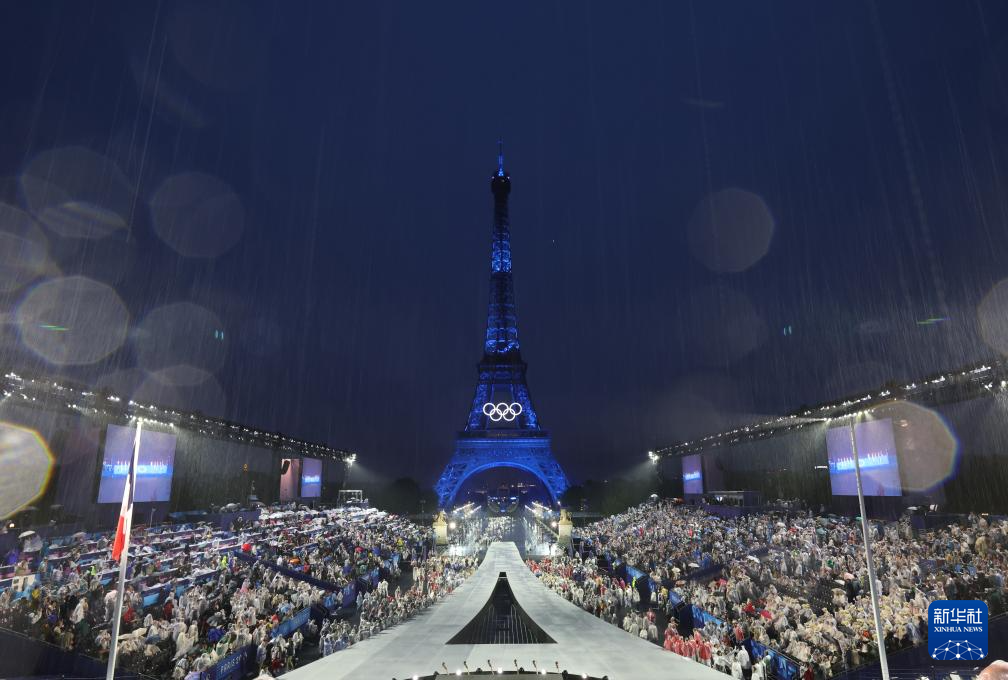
(502, 319)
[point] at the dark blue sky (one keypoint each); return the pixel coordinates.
(358, 140)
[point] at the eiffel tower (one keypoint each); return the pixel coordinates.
(503, 429)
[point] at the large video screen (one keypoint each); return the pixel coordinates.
(311, 478)
(692, 475)
(876, 457)
(154, 469)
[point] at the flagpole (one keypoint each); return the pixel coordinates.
(869, 558)
(123, 559)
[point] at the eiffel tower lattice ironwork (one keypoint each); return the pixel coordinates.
(503, 429)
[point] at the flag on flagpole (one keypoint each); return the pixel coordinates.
(120, 549)
(120, 546)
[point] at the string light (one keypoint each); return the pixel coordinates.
(113, 408)
(961, 384)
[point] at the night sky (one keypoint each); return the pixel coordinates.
(719, 210)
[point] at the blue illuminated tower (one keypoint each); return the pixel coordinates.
(503, 429)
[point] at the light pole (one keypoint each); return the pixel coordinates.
(656, 461)
(348, 461)
(872, 585)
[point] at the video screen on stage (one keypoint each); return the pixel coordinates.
(692, 475)
(311, 478)
(154, 469)
(877, 459)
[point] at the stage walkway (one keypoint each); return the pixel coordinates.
(584, 644)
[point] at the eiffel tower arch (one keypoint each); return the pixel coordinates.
(503, 428)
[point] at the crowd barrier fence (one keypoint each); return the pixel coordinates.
(783, 666)
(237, 664)
(288, 626)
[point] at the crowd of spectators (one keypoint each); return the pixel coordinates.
(582, 583)
(197, 594)
(339, 547)
(613, 599)
(792, 581)
(433, 579)
(795, 582)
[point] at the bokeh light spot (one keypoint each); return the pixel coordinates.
(181, 343)
(77, 193)
(730, 230)
(25, 467)
(23, 249)
(725, 324)
(928, 449)
(197, 215)
(72, 320)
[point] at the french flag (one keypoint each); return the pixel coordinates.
(120, 548)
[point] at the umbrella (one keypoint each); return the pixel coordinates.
(694, 565)
(32, 541)
(848, 575)
(838, 581)
(753, 558)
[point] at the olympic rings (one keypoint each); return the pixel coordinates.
(502, 411)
